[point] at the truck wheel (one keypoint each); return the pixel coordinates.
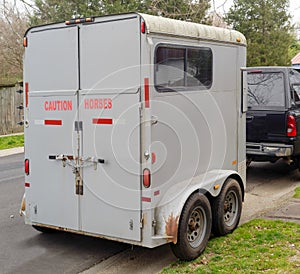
(194, 228)
(227, 208)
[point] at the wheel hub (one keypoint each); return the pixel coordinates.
(196, 227)
(230, 208)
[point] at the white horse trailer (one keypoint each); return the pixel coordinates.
(135, 130)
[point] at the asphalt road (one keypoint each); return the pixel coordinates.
(25, 250)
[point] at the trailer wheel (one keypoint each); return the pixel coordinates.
(227, 208)
(194, 228)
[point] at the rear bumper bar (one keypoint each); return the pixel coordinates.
(265, 149)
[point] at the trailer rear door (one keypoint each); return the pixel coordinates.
(51, 75)
(109, 109)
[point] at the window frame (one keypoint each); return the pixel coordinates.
(185, 88)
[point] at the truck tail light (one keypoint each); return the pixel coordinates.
(291, 126)
(146, 178)
(26, 166)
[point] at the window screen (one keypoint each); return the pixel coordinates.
(179, 69)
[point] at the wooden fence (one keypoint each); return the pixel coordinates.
(10, 115)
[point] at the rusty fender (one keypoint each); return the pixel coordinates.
(168, 211)
(23, 206)
(171, 228)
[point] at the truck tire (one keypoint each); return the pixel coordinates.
(227, 208)
(194, 228)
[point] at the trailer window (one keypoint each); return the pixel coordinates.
(180, 69)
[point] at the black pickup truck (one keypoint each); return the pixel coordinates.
(273, 116)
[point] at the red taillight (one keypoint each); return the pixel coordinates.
(291, 130)
(26, 94)
(146, 178)
(153, 157)
(26, 165)
(143, 27)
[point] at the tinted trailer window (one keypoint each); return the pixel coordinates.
(266, 89)
(180, 69)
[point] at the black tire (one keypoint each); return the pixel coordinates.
(194, 228)
(43, 229)
(227, 208)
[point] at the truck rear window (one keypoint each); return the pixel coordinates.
(266, 89)
(182, 68)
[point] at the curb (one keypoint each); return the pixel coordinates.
(11, 151)
(12, 134)
(287, 212)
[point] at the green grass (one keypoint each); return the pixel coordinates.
(260, 246)
(11, 141)
(297, 194)
(9, 80)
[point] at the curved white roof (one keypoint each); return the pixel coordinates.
(156, 24)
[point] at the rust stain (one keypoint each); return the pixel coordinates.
(23, 205)
(172, 227)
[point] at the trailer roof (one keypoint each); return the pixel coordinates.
(161, 25)
(172, 27)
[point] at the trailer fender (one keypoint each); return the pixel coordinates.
(168, 211)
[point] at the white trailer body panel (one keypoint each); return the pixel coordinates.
(87, 162)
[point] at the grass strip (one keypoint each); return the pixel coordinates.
(297, 195)
(255, 247)
(11, 141)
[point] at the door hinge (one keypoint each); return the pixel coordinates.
(142, 221)
(78, 125)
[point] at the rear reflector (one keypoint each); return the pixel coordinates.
(291, 130)
(146, 90)
(53, 122)
(146, 199)
(102, 121)
(26, 94)
(27, 184)
(26, 166)
(146, 178)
